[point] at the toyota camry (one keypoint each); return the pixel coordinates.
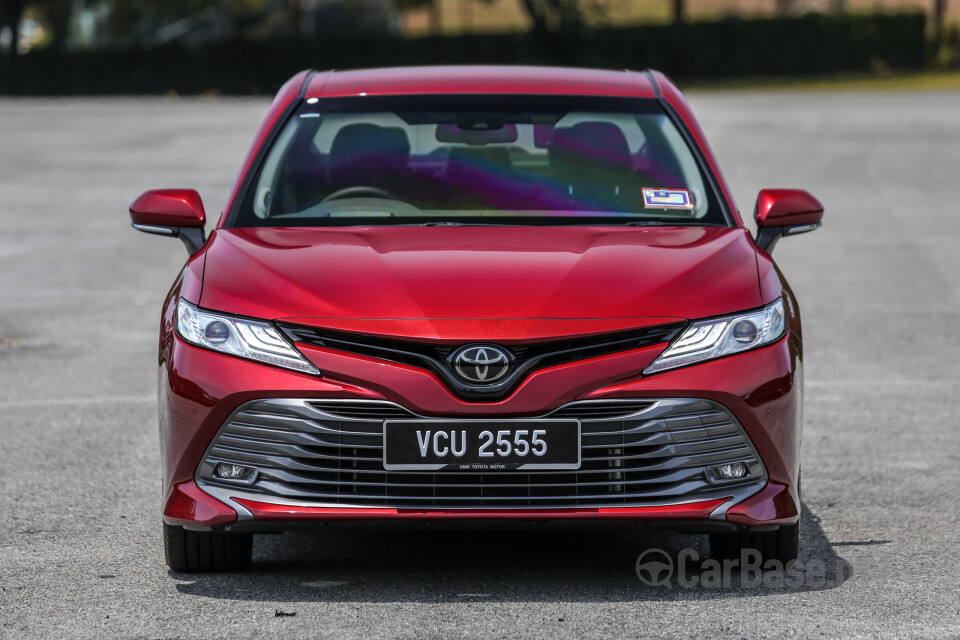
(465, 295)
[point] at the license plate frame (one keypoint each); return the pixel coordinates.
(565, 434)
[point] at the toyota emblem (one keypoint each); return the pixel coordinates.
(482, 363)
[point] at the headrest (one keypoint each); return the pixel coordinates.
(369, 139)
(598, 144)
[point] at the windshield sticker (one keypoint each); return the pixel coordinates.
(666, 199)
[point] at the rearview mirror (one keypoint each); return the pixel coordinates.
(175, 213)
(785, 212)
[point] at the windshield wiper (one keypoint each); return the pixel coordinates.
(451, 223)
(670, 223)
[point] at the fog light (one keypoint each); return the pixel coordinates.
(727, 472)
(236, 472)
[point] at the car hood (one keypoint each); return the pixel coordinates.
(492, 283)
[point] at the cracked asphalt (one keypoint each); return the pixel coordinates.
(879, 285)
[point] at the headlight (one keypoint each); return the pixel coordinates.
(709, 339)
(241, 337)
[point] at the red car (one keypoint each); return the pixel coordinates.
(465, 294)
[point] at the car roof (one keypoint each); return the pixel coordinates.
(480, 79)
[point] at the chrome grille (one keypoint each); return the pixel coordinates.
(589, 410)
(362, 410)
(329, 452)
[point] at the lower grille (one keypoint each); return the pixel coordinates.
(635, 453)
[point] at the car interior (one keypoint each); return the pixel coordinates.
(576, 162)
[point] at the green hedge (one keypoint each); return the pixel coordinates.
(812, 44)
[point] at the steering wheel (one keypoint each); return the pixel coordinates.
(360, 191)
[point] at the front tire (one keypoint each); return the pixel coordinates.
(206, 551)
(782, 544)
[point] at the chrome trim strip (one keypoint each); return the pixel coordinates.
(392, 405)
(156, 230)
(653, 405)
(226, 495)
(720, 513)
(652, 402)
(794, 231)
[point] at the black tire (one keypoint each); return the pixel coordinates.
(205, 551)
(782, 544)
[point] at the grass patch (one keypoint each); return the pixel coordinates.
(905, 81)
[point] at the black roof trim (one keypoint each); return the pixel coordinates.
(306, 83)
(653, 83)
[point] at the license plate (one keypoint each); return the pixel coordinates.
(474, 445)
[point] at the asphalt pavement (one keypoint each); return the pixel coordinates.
(80, 293)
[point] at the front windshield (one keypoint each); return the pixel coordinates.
(478, 159)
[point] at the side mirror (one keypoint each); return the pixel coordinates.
(175, 213)
(785, 212)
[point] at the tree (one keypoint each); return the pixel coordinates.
(11, 12)
(55, 14)
(554, 16)
(678, 11)
(432, 6)
(128, 17)
(783, 7)
(939, 11)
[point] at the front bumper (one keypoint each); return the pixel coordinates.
(201, 391)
